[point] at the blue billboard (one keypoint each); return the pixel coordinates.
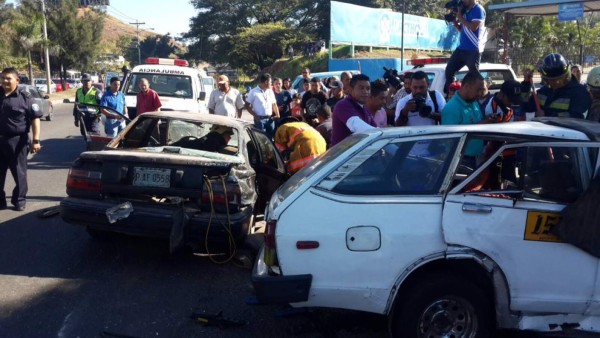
(365, 26)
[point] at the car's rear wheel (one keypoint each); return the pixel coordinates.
(443, 306)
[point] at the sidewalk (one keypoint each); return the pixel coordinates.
(60, 96)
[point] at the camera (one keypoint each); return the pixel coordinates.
(392, 78)
(452, 6)
(423, 109)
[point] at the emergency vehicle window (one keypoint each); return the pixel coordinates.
(164, 84)
(402, 168)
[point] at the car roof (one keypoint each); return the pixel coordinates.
(554, 128)
(209, 118)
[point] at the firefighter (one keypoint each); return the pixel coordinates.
(301, 142)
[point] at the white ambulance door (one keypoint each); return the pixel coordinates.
(510, 223)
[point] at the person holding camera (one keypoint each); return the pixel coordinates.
(421, 107)
(469, 21)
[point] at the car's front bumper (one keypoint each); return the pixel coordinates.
(155, 220)
(273, 289)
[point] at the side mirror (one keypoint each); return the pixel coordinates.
(64, 101)
(202, 96)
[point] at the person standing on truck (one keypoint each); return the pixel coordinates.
(113, 98)
(562, 95)
(147, 99)
(226, 101)
(261, 104)
(350, 115)
(86, 114)
(470, 21)
(18, 114)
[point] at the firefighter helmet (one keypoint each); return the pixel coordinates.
(593, 79)
(554, 67)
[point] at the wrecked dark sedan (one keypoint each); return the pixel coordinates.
(193, 178)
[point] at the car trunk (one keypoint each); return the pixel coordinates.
(170, 178)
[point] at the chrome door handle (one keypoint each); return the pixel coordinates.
(482, 209)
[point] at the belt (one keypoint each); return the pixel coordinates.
(264, 117)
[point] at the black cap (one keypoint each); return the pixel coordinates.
(512, 89)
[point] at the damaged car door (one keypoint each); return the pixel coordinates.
(511, 223)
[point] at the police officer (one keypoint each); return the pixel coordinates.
(18, 114)
(562, 95)
(86, 114)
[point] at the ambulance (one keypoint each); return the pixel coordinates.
(179, 86)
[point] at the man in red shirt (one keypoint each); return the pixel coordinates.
(147, 99)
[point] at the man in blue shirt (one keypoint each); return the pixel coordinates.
(114, 99)
(463, 108)
(470, 21)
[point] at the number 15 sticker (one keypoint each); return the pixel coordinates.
(539, 225)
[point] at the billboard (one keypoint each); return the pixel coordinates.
(376, 27)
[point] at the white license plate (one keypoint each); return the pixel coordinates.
(152, 177)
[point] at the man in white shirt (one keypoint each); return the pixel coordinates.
(226, 101)
(419, 107)
(261, 104)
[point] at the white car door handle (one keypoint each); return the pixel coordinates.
(483, 209)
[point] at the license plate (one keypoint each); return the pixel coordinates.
(152, 177)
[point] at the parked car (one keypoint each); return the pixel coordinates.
(41, 99)
(59, 86)
(394, 222)
(24, 79)
(74, 83)
(171, 164)
(43, 87)
(297, 83)
(496, 73)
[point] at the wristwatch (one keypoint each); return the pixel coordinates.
(36, 141)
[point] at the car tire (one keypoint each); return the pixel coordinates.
(443, 306)
(100, 235)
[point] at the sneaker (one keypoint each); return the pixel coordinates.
(19, 207)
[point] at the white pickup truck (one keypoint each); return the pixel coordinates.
(497, 73)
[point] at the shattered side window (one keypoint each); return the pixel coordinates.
(547, 173)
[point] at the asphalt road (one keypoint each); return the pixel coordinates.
(58, 282)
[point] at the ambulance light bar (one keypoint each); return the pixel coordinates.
(170, 62)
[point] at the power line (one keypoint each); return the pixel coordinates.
(118, 11)
(119, 16)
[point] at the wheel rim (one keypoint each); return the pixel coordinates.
(448, 317)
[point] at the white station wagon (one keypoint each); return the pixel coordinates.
(396, 222)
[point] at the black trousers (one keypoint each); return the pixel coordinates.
(459, 59)
(13, 157)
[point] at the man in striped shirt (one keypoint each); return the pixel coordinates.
(470, 22)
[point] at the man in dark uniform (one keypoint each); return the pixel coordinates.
(18, 114)
(86, 114)
(563, 95)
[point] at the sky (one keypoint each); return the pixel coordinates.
(160, 16)
(163, 16)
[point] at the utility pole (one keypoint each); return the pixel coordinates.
(137, 25)
(47, 54)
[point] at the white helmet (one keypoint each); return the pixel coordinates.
(593, 79)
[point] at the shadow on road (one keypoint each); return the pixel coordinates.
(57, 153)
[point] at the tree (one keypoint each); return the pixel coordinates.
(261, 44)
(77, 35)
(26, 25)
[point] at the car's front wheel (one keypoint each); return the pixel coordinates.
(443, 306)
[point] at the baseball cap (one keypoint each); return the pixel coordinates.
(336, 84)
(512, 90)
(86, 77)
(222, 79)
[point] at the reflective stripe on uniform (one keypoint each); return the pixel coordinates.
(301, 162)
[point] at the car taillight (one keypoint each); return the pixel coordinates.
(270, 234)
(270, 245)
(84, 180)
(219, 200)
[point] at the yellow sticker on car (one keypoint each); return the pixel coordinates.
(539, 225)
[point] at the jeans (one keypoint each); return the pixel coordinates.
(267, 125)
(459, 59)
(113, 127)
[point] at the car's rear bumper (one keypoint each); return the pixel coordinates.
(153, 220)
(273, 289)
